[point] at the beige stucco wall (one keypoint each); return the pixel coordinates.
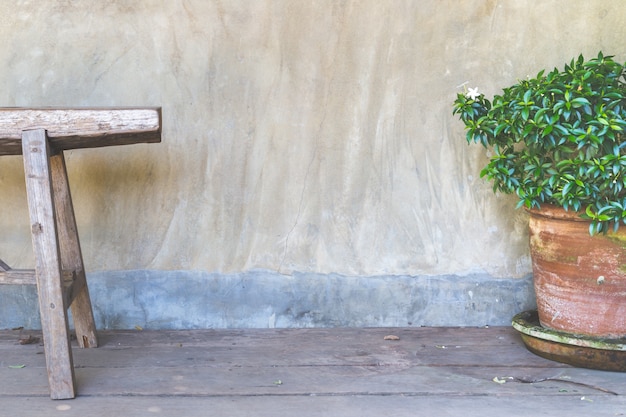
(311, 136)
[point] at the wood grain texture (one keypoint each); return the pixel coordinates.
(50, 286)
(41, 135)
(312, 372)
(80, 128)
(29, 277)
(71, 254)
(18, 277)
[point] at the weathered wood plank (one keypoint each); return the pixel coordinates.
(311, 380)
(319, 347)
(417, 336)
(18, 277)
(71, 255)
(29, 277)
(300, 351)
(226, 357)
(331, 337)
(80, 128)
(330, 380)
(50, 286)
(321, 406)
(139, 373)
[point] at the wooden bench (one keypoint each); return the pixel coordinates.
(41, 135)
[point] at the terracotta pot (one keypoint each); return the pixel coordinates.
(579, 280)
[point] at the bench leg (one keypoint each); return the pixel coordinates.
(71, 256)
(50, 290)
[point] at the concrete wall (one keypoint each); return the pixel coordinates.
(301, 139)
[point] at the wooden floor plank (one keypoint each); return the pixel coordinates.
(305, 381)
(312, 372)
(330, 406)
(300, 349)
(335, 380)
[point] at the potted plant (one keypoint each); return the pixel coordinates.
(557, 142)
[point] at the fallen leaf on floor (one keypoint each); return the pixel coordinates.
(278, 382)
(501, 380)
(138, 327)
(391, 337)
(17, 366)
(30, 340)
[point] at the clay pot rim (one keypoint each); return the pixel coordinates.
(556, 212)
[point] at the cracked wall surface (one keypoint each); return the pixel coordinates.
(299, 136)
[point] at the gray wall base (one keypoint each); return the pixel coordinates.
(264, 299)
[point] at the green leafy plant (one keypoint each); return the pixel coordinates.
(557, 138)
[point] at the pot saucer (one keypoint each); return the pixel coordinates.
(576, 350)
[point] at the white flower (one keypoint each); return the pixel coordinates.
(473, 93)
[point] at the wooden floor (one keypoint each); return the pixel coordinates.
(307, 372)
